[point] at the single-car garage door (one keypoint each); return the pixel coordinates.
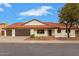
(2, 33)
(22, 32)
(9, 32)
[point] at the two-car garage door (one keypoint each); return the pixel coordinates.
(19, 32)
(22, 32)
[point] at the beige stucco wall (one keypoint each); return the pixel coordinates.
(2, 26)
(34, 31)
(34, 22)
(13, 32)
(54, 33)
(0, 31)
(64, 34)
(72, 34)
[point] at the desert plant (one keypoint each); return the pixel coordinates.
(32, 36)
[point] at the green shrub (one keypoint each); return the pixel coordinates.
(32, 36)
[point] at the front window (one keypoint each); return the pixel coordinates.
(40, 31)
(59, 30)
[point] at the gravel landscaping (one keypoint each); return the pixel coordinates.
(52, 38)
(40, 38)
(75, 38)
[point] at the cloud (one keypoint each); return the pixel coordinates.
(20, 18)
(1, 9)
(7, 5)
(43, 10)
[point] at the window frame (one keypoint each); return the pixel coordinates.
(58, 30)
(40, 31)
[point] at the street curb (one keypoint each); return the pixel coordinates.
(40, 42)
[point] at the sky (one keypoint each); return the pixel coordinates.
(23, 12)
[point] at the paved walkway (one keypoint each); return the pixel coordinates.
(22, 40)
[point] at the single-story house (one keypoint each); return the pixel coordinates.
(2, 25)
(77, 31)
(37, 28)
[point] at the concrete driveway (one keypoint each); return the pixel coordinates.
(21, 39)
(21, 49)
(13, 39)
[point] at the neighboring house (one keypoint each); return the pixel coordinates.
(2, 25)
(77, 31)
(37, 28)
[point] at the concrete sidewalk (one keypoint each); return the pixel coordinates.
(22, 40)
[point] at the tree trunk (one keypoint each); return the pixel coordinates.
(67, 31)
(77, 26)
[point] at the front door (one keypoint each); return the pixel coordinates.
(50, 32)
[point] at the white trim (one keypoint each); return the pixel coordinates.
(5, 34)
(34, 22)
(13, 32)
(0, 31)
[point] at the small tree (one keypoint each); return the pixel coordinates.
(69, 15)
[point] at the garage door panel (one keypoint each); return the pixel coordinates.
(9, 32)
(22, 32)
(2, 33)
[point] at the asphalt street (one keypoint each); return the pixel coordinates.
(24, 49)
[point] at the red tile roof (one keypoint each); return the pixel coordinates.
(48, 25)
(17, 24)
(2, 25)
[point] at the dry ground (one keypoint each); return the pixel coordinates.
(25, 39)
(75, 38)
